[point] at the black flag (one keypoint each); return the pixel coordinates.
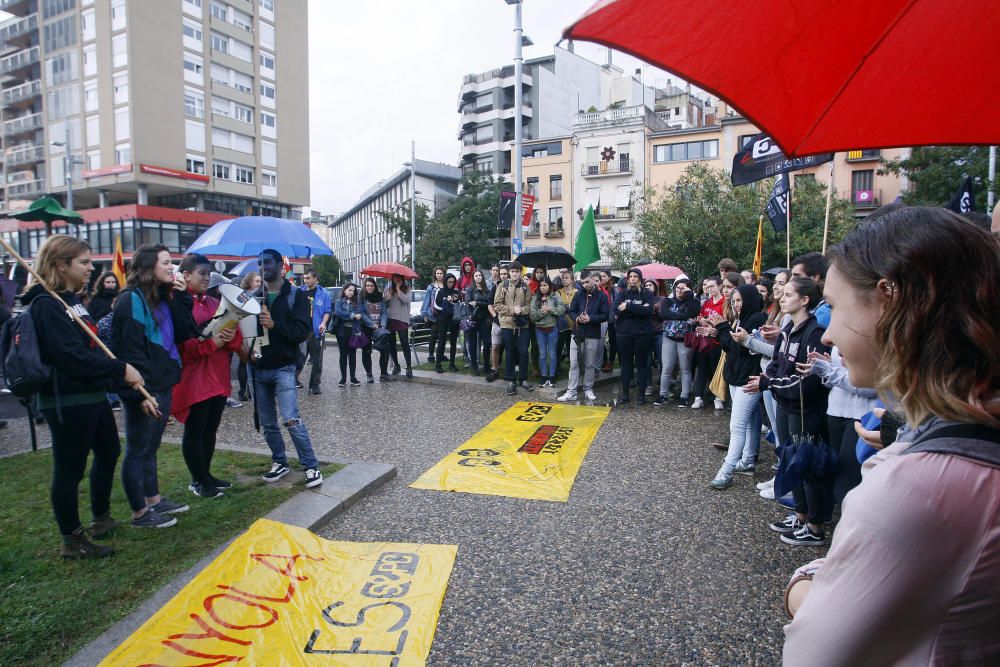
(505, 217)
(761, 158)
(964, 200)
(777, 205)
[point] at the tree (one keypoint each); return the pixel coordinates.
(397, 219)
(702, 218)
(327, 269)
(937, 172)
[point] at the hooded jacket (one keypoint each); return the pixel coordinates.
(141, 336)
(637, 318)
(781, 376)
(465, 279)
(80, 367)
(741, 363)
(595, 305)
(676, 314)
(100, 303)
(508, 295)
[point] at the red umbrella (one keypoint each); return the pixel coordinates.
(657, 271)
(387, 270)
(826, 76)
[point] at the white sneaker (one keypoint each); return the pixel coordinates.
(567, 396)
(769, 484)
(590, 395)
(313, 477)
(720, 404)
(697, 403)
(767, 494)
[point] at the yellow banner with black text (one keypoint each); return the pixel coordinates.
(532, 450)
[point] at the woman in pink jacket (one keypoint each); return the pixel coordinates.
(913, 573)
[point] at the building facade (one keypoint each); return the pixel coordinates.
(548, 173)
(361, 236)
(186, 104)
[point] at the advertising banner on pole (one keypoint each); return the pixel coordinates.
(532, 450)
(280, 595)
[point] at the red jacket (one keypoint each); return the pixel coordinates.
(465, 279)
(205, 367)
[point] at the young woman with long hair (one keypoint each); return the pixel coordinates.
(398, 298)
(374, 304)
(76, 407)
(706, 357)
(250, 283)
(147, 327)
(546, 306)
(477, 295)
(103, 295)
(911, 576)
(429, 314)
(633, 312)
(349, 311)
(677, 312)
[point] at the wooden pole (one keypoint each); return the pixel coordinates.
(829, 197)
(72, 313)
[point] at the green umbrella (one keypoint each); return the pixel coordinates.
(47, 210)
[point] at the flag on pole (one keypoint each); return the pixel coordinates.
(777, 205)
(758, 253)
(118, 263)
(586, 251)
(964, 200)
(761, 158)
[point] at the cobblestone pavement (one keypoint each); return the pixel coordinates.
(645, 565)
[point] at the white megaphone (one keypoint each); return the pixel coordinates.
(235, 308)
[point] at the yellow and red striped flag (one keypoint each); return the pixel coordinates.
(758, 254)
(118, 263)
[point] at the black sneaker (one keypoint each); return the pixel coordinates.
(623, 399)
(370, 379)
(804, 537)
(152, 519)
(277, 471)
(438, 368)
(511, 389)
(683, 402)
(409, 372)
(207, 490)
(355, 383)
(527, 386)
(313, 477)
(661, 401)
(77, 547)
(395, 370)
(492, 376)
(452, 368)
(220, 483)
(299, 385)
(169, 507)
(315, 391)
(641, 400)
(342, 383)
(789, 524)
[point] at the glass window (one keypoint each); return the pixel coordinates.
(240, 50)
(121, 124)
(555, 219)
(267, 62)
(195, 164)
(269, 153)
(93, 125)
(194, 135)
(533, 186)
(678, 152)
(243, 82)
(63, 102)
(555, 187)
(266, 35)
(694, 150)
(194, 67)
(242, 20)
(94, 160)
(90, 60)
(194, 103)
(268, 179)
(60, 33)
(62, 68)
(123, 154)
(244, 175)
(268, 124)
(117, 15)
(88, 28)
(710, 149)
(484, 134)
(220, 42)
(219, 11)
(51, 8)
(119, 51)
(192, 7)
(192, 34)
(243, 113)
(221, 171)
(120, 86)
(267, 90)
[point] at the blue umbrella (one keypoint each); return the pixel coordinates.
(244, 267)
(250, 235)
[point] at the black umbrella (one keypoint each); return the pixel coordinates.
(547, 256)
(773, 271)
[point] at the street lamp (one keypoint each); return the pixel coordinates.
(518, 102)
(68, 163)
(413, 204)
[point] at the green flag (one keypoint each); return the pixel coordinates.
(586, 250)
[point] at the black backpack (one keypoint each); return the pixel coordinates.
(24, 372)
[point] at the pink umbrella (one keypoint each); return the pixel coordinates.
(657, 271)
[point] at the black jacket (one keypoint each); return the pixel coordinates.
(130, 342)
(595, 305)
(741, 363)
(100, 303)
(784, 380)
(637, 318)
(81, 367)
(292, 326)
(479, 300)
(680, 311)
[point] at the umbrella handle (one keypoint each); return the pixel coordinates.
(72, 313)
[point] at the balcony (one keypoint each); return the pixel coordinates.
(22, 125)
(25, 92)
(613, 214)
(866, 199)
(864, 156)
(18, 33)
(472, 141)
(616, 167)
(18, 61)
(24, 155)
(25, 189)
(15, 7)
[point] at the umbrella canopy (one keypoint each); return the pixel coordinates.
(244, 267)
(657, 271)
(47, 210)
(547, 256)
(252, 234)
(387, 270)
(773, 271)
(824, 76)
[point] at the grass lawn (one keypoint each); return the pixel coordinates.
(51, 608)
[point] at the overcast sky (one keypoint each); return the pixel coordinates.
(385, 72)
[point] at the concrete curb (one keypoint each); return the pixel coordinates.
(308, 509)
(473, 382)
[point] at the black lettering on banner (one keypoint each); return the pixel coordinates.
(385, 570)
(477, 458)
(534, 413)
(356, 649)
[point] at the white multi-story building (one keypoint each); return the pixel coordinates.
(360, 236)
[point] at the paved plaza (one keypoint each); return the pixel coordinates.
(645, 565)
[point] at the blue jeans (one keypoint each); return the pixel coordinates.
(279, 383)
(142, 438)
(744, 430)
(547, 351)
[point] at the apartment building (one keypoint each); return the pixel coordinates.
(360, 236)
(548, 173)
(180, 104)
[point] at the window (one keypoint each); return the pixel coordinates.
(242, 20)
(268, 179)
(555, 220)
(267, 9)
(94, 160)
(195, 164)
(194, 103)
(220, 137)
(219, 11)
(192, 34)
(267, 64)
(123, 154)
(266, 35)
(121, 124)
(192, 7)
(119, 51)
(90, 60)
(244, 175)
(240, 50)
(269, 153)
(745, 139)
(90, 102)
(194, 135)
(267, 91)
(243, 113)
(691, 150)
(533, 186)
(221, 107)
(88, 28)
(194, 67)
(268, 125)
(93, 124)
(243, 82)
(555, 187)
(120, 86)
(51, 8)
(62, 68)
(63, 102)
(534, 229)
(117, 15)
(242, 142)
(220, 42)
(60, 33)
(485, 166)
(220, 171)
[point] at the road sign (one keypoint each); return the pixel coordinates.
(516, 247)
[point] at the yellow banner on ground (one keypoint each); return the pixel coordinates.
(280, 595)
(533, 450)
